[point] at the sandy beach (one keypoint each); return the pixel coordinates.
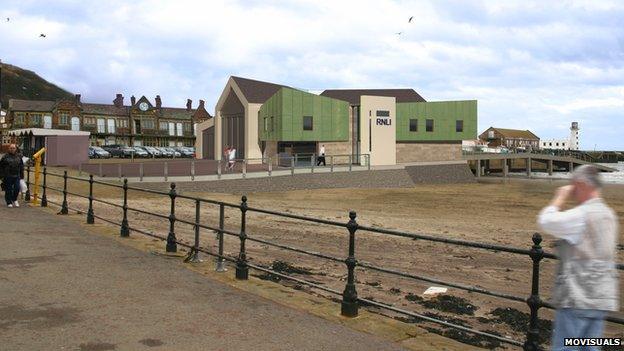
(490, 211)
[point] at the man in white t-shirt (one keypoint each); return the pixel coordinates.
(232, 158)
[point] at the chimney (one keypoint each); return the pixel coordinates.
(158, 102)
(77, 98)
(132, 100)
(189, 103)
(118, 102)
(201, 105)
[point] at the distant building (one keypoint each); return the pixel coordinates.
(510, 138)
(140, 123)
(572, 143)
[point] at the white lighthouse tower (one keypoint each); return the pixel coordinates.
(574, 136)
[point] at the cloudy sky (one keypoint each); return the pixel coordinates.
(531, 65)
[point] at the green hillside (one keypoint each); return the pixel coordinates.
(18, 83)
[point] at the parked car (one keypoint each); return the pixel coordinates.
(114, 150)
(184, 151)
(175, 153)
(140, 152)
(165, 152)
(127, 151)
(98, 152)
(152, 151)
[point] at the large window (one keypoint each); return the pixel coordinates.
(63, 118)
(429, 125)
(164, 126)
(413, 125)
(459, 126)
(101, 125)
(188, 127)
(111, 125)
(35, 118)
(308, 123)
(89, 121)
(19, 118)
(147, 123)
(179, 129)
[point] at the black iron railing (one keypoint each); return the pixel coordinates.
(350, 299)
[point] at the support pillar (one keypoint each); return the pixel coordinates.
(478, 168)
(550, 167)
(571, 166)
(528, 166)
(505, 168)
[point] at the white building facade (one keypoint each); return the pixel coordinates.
(571, 143)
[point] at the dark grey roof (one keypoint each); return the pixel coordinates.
(256, 91)
(176, 113)
(31, 105)
(352, 96)
(105, 109)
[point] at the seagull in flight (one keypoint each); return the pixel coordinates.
(8, 19)
(42, 35)
(398, 33)
(410, 19)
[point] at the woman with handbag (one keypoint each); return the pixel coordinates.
(12, 171)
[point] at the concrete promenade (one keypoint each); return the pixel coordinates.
(63, 288)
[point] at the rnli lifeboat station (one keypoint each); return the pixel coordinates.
(386, 126)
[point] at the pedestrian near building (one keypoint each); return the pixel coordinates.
(321, 157)
(586, 285)
(226, 157)
(232, 158)
(11, 172)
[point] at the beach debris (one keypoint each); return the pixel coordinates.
(434, 290)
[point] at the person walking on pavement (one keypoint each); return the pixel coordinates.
(232, 158)
(11, 171)
(226, 156)
(586, 284)
(321, 158)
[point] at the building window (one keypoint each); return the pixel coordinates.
(164, 126)
(266, 124)
(429, 125)
(179, 129)
(89, 121)
(19, 118)
(111, 125)
(101, 125)
(122, 123)
(308, 123)
(413, 125)
(147, 123)
(459, 126)
(64, 118)
(187, 127)
(35, 118)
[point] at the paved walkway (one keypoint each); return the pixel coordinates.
(64, 289)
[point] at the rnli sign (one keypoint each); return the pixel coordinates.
(383, 118)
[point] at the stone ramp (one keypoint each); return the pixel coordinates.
(64, 288)
(440, 174)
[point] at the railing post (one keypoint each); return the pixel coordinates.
(350, 162)
(219, 169)
(534, 301)
(64, 208)
(292, 166)
(44, 197)
(313, 159)
(172, 246)
(194, 256)
(193, 169)
(119, 170)
(166, 170)
(125, 228)
(242, 271)
(220, 260)
(27, 194)
(349, 307)
(368, 162)
(90, 217)
(80, 169)
(270, 166)
(245, 168)
(141, 171)
(331, 163)
(100, 169)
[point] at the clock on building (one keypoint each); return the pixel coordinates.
(143, 106)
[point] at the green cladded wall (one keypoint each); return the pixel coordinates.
(287, 108)
(444, 114)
